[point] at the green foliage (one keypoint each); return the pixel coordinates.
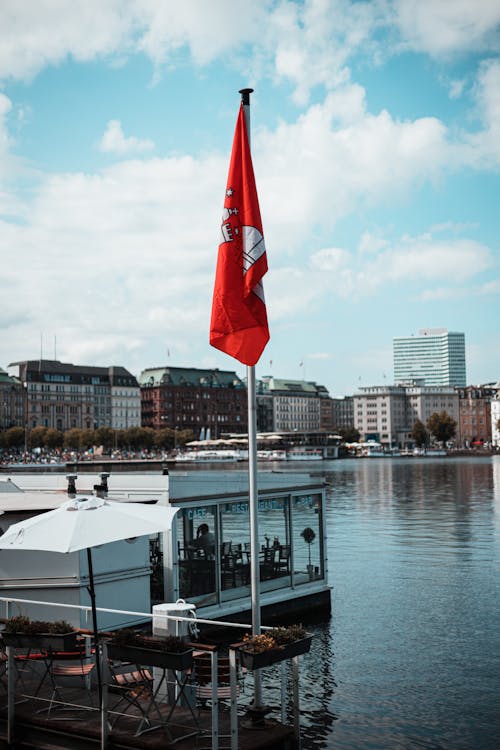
(37, 437)
(442, 426)
(283, 635)
(23, 624)
(73, 438)
(308, 535)
(54, 438)
(349, 434)
(105, 436)
(274, 638)
(168, 644)
(419, 434)
(14, 437)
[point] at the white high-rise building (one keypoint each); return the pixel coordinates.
(435, 357)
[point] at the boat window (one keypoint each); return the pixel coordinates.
(307, 538)
(234, 549)
(196, 537)
(274, 542)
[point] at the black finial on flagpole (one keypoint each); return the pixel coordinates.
(245, 96)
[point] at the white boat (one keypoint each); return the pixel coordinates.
(304, 454)
(209, 456)
(371, 449)
(270, 455)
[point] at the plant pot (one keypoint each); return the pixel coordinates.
(43, 641)
(178, 661)
(252, 660)
(310, 572)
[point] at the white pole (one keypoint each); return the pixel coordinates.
(252, 475)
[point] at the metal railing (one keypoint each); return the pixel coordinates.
(101, 653)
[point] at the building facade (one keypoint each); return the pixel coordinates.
(436, 357)
(190, 398)
(495, 417)
(293, 405)
(12, 411)
(387, 414)
(65, 396)
(475, 414)
(343, 412)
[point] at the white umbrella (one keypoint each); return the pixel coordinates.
(85, 522)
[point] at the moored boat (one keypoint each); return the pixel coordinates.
(209, 456)
(304, 454)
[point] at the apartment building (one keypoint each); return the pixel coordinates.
(343, 412)
(64, 396)
(191, 398)
(495, 417)
(293, 406)
(380, 414)
(12, 402)
(387, 414)
(475, 414)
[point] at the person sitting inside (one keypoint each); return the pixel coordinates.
(205, 540)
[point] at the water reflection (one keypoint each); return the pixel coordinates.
(410, 658)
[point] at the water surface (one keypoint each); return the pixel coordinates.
(410, 657)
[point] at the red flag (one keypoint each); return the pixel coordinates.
(239, 318)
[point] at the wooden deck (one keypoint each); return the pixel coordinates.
(69, 728)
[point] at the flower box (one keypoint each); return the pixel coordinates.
(257, 660)
(42, 641)
(178, 661)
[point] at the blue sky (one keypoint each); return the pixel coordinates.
(376, 148)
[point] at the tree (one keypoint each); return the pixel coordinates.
(165, 439)
(14, 437)
(73, 438)
(37, 437)
(105, 436)
(442, 426)
(419, 434)
(54, 438)
(87, 439)
(349, 434)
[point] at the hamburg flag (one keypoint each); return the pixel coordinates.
(239, 319)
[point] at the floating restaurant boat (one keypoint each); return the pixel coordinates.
(210, 456)
(304, 454)
(205, 559)
(271, 455)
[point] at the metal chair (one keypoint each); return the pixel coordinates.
(70, 667)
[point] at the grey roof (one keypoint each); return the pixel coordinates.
(54, 367)
(190, 376)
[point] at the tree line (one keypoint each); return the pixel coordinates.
(133, 439)
(440, 426)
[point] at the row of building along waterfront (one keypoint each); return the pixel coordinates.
(49, 393)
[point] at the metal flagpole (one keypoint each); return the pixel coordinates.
(252, 475)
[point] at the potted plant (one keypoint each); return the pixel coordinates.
(308, 535)
(276, 644)
(168, 652)
(22, 632)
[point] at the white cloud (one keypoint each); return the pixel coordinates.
(35, 35)
(456, 88)
(448, 27)
(330, 259)
(114, 140)
(316, 170)
(424, 259)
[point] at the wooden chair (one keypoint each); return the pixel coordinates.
(134, 686)
(67, 669)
